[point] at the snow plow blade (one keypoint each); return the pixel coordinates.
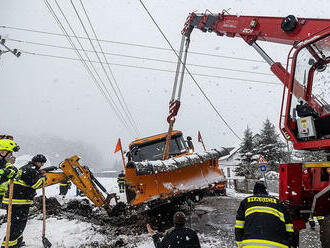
(154, 181)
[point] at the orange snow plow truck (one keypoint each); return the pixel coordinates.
(185, 175)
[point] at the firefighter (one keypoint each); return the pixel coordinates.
(7, 170)
(179, 236)
(307, 178)
(121, 182)
(262, 221)
(31, 178)
(64, 188)
(311, 221)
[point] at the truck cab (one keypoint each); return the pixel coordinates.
(152, 148)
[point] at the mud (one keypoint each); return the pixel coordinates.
(213, 218)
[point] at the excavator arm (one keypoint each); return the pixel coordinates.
(84, 180)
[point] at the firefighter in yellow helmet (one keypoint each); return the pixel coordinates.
(32, 177)
(7, 170)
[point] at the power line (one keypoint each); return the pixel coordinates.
(125, 107)
(188, 71)
(133, 44)
(122, 117)
(102, 65)
(154, 69)
(108, 98)
(142, 58)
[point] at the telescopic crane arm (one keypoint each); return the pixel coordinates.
(281, 30)
(289, 31)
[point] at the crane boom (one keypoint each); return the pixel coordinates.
(251, 28)
(306, 119)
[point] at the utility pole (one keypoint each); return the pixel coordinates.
(13, 51)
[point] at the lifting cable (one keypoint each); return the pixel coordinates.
(183, 69)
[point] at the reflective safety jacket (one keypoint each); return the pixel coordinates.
(66, 183)
(262, 221)
(121, 178)
(25, 187)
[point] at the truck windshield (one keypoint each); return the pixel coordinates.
(154, 150)
(316, 55)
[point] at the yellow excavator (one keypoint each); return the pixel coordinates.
(80, 176)
(84, 180)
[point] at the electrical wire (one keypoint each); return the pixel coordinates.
(188, 71)
(112, 74)
(153, 69)
(135, 44)
(142, 58)
(105, 72)
(109, 94)
(85, 65)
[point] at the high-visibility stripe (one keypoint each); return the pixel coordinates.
(239, 243)
(5, 200)
(320, 217)
(289, 227)
(261, 243)
(8, 165)
(12, 242)
(38, 183)
(20, 182)
(267, 210)
(239, 224)
(63, 184)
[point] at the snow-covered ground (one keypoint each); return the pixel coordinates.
(63, 232)
(74, 233)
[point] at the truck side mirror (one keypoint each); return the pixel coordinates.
(190, 144)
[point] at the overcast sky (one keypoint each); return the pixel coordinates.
(56, 97)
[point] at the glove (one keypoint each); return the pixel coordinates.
(10, 172)
(18, 174)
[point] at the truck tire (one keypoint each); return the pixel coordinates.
(325, 232)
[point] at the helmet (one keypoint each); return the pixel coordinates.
(39, 158)
(8, 145)
(260, 188)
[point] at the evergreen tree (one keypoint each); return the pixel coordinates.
(247, 152)
(310, 156)
(271, 147)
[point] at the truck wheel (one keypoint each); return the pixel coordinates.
(325, 232)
